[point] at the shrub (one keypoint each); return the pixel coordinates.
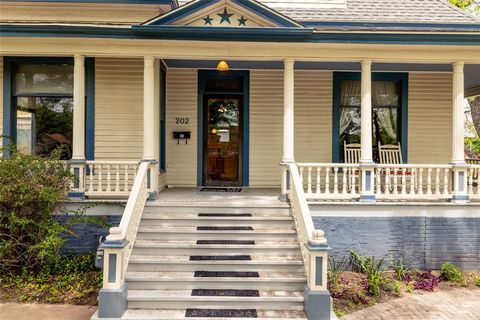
(400, 267)
(371, 268)
(451, 272)
(426, 281)
(476, 281)
(336, 267)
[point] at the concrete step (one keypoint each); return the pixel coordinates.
(187, 263)
(187, 280)
(142, 314)
(195, 220)
(190, 247)
(179, 299)
(286, 233)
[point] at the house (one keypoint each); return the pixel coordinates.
(341, 115)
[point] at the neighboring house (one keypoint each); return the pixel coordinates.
(353, 110)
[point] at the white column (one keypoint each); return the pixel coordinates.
(149, 109)
(458, 114)
(366, 113)
(78, 144)
(288, 111)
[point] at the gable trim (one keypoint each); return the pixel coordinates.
(252, 6)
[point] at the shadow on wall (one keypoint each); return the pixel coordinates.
(425, 243)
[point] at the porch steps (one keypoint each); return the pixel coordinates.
(215, 262)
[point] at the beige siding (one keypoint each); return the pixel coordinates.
(313, 122)
(313, 116)
(78, 12)
(430, 117)
(181, 103)
(266, 127)
(118, 109)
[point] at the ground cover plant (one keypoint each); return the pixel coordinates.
(32, 267)
(364, 281)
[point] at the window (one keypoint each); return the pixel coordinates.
(43, 102)
(163, 103)
(388, 111)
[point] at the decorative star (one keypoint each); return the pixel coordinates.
(225, 16)
(208, 20)
(241, 21)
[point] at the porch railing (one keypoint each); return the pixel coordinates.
(340, 181)
(107, 179)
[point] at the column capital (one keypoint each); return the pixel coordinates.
(366, 63)
(289, 62)
(149, 60)
(458, 66)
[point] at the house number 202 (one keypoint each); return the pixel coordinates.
(182, 120)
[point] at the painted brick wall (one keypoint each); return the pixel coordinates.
(424, 242)
(86, 236)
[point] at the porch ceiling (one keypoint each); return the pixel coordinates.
(472, 71)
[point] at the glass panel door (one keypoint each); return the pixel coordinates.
(223, 145)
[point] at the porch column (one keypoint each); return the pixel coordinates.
(460, 168)
(288, 121)
(148, 108)
(366, 113)
(78, 144)
(366, 158)
(458, 134)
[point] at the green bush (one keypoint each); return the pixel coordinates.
(451, 272)
(371, 268)
(336, 267)
(400, 267)
(476, 281)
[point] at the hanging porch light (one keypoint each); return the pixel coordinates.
(223, 66)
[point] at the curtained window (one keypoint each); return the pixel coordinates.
(385, 113)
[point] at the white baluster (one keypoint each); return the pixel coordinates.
(344, 181)
(378, 183)
(476, 170)
(309, 181)
(319, 172)
(117, 178)
(446, 187)
(387, 181)
(327, 180)
(126, 178)
(395, 182)
(420, 181)
(429, 181)
(437, 181)
(109, 178)
(335, 180)
(353, 187)
(404, 181)
(99, 181)
(301, 177)
(413, 180)
(91, 169)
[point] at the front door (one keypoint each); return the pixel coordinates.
(223, 139)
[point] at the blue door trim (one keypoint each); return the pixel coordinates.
(203, 75)
(9, 114)
(400, 77)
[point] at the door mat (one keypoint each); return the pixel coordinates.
(227, 242)
(220, 258)
(224, 214)
(235, 228)
(226, 274)
(220, 189)
(225, 293)
(221, 313)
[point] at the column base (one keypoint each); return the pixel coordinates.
(283, 197)
(460, 199)
(78, 195)
(368, 198)
(317, 305)
(112, 303)
(152, 195)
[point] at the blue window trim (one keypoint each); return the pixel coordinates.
(163, 109)
(400, 77)
(9, 112)
(203, 75)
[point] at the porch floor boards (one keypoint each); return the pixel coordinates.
(248, 197)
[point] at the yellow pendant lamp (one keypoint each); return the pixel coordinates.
(223, 66)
